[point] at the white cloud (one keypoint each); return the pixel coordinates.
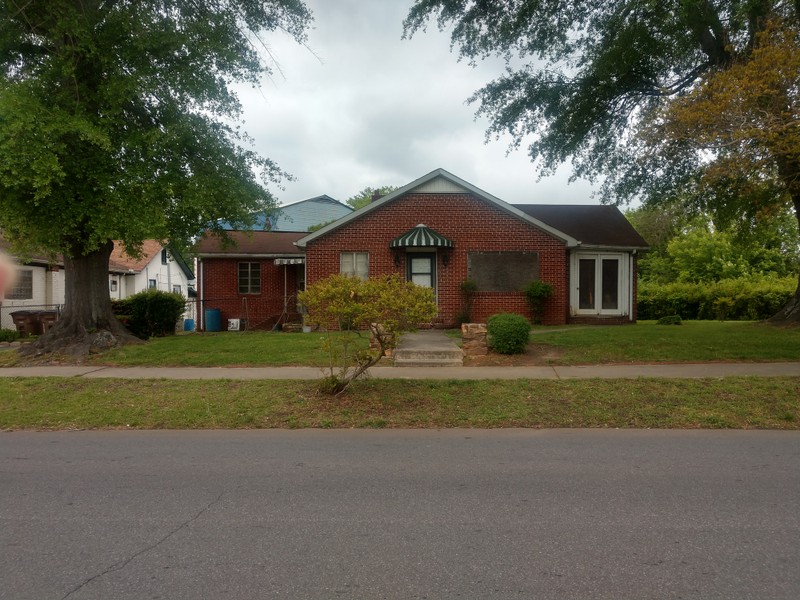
(368, 108)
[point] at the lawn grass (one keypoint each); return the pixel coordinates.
(737, 402)
(226, 349)
(693, 341)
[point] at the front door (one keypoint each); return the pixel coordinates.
(422, 268)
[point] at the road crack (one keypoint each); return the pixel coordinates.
(123, 563)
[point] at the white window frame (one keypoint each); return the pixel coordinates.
(623, 284)
(349, 264)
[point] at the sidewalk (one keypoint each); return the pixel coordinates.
(671, 371)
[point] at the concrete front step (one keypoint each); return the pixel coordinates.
(427, 349)
(422, 362)
(428, 358)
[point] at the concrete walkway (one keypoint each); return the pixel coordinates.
(672, 371)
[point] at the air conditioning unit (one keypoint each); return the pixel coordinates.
(234, 324)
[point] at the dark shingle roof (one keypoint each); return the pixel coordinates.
(592, 225)
(252, 243)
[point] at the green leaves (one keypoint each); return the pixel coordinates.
(384, 306)
(116, 120)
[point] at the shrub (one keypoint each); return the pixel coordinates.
(9, 335)
(384, 306)
(743, 299)
(508, 333)
(468, 290)
(150, 313)
(537, 292)
(671, 320)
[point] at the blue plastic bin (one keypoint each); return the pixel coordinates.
(213, 319)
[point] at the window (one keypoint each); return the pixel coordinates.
(354, 263)
(176, 289)
(503, 271)
(23, 287)
(164, 257)
(601, 284)
(249, 278)
(152, 284)
(422, 269)
(113, 285)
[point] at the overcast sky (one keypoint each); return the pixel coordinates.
(368, 108)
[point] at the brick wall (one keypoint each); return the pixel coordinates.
(220, 281)
(474, 226)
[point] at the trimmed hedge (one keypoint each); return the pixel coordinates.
(508, 333)
(743, 299)
(150, 313)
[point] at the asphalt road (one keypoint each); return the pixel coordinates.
(400, 514)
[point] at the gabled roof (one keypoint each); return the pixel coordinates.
(121, 262)
(593, 225)
(446, 182)
(251, 244)
(303, 215)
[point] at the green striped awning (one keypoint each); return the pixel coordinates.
(420, 237)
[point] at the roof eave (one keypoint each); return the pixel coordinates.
(250, 255)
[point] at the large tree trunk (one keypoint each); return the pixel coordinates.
(790, 313)
(87, 324)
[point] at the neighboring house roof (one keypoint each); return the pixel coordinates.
(302, 216)
(251, 244)
(299, 216)
(121, 262)
(33, 259)
(592, 225)
(440, 181)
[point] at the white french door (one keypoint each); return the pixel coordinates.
(600, 284)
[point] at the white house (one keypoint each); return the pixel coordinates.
(39, 281)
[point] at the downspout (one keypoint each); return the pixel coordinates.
(200, 282)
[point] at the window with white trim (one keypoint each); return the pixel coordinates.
(23, 286)
(249, 278)
(354, 263)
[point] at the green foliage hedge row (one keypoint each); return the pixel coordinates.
(508, 333)
(150, 313)
(743, 299)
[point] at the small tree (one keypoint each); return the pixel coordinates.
(537, 293)
(384, 307)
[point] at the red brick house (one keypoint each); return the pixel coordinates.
(253, 281)
(439, 231)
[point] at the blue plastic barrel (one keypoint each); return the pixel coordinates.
(188, 324)
(213, 319)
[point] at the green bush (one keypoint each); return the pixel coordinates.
(537, 292)
(508, 333)
(671, 320)
(150, 313)
(742, 299)
(9, 335)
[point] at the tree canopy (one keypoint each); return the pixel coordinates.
(365, 196)
(697, 98)
(117, 122)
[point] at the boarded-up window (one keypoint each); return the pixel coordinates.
(503, 271)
